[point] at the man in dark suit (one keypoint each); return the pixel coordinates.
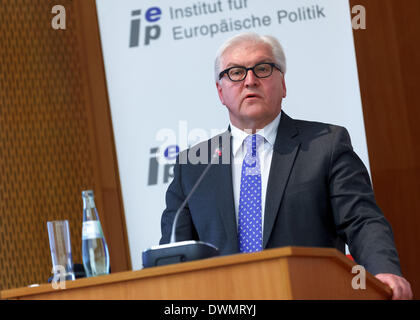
(278, 181)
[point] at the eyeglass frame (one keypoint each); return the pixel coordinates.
(271, 64)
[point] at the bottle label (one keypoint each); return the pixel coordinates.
(92, 230)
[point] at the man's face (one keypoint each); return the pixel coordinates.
(252, 103)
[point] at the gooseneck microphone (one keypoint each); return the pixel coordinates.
(217, 153)
(182, 251)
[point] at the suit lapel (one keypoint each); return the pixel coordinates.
(285, 149)
(224, 190)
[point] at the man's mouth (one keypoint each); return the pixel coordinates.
(252, 96)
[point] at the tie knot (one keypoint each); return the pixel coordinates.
(252, 142)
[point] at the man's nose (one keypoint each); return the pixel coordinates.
(251, 79)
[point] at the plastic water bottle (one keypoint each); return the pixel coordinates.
(94, 248)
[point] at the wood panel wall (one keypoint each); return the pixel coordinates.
(388, 58)
(56, 137)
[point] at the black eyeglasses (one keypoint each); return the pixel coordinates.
(260, 70)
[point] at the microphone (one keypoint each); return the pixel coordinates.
(182, 251)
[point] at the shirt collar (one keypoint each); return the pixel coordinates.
(269, 132)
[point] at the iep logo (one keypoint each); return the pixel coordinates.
(151, 32)
(169, 155)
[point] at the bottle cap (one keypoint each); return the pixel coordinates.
(87, 193)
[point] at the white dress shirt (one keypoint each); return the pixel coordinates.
(265, 153)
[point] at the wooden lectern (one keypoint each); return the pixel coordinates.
(283, 273)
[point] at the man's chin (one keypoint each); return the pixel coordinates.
(258, 119)
(255, 111)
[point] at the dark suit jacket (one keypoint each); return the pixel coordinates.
(319, 194)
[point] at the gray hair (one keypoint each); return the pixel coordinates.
(275, 45)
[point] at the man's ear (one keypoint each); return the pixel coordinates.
(219, 91)
(283, 82)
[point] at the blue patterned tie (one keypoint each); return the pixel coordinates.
(250, 219)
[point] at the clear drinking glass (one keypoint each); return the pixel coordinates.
(59, 236)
